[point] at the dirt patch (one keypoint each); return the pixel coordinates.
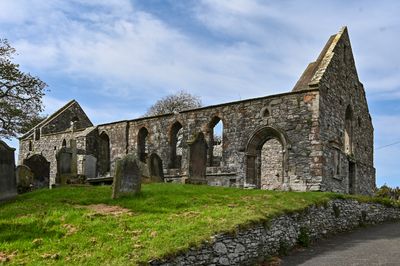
(4, 257)
(104, 209)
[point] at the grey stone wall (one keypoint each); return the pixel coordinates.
(74, 117)
(271, 165)
(50, 144)
(340, 89)
(255, 244)
(294, 113)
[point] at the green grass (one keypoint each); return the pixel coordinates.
(49, 227)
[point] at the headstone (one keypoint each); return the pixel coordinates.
(64, 165)
(89, 166)
(197, 159)
(41, 170)
(24, 178)
(127, 177)
(154, 163)
(8, 182)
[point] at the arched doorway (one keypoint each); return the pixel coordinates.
(40, 168)
(104, 162)
(267, 159)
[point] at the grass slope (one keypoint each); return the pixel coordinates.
(49, 227)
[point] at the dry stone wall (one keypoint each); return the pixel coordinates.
(255, 244)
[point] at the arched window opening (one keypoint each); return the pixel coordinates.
(266, 113)
(348, 133)
(74, 123)
(64, 143)
(142, 144)
(216, 129)
(30, 145)
(37, 133)
(104, 154)
(175, 141)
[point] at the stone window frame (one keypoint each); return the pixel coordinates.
(142, 143)
(37, 133)
(30, 146)
(215, 119)
(265, 112)
(173, 131)
(348, 130)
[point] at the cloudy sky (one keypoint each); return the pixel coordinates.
(116, 57)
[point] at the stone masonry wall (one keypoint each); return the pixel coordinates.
(271, 165)
(295, 114)
(49, 145)
(249, 246)
(339, 90)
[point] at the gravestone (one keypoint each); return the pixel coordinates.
(64, 165)
(40, 168)
(24, 178)
(127, 177)
(8, 182)
(154, 163)
(197, 159)
(89, 166)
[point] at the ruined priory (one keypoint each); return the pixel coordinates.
(317, 137)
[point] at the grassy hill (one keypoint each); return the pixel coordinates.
(83, 225)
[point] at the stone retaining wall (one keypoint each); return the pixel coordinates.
(248, 246)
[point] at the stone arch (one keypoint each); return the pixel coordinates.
(254, 153)
(104, 161)
(215, 146)
(348, 130)
(142, 148)
(175, 141)
(40, 168)
(265, 112)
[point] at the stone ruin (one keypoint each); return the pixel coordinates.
(316, 137)
(8, 183)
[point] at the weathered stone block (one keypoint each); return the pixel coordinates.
(8, 184)
(127, 177)
(24, 178)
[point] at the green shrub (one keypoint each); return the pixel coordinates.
(304, 237)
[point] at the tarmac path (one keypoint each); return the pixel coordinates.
(372, 245)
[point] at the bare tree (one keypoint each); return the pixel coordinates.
(20, 95)
(174, 103)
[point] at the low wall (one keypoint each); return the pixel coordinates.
(257, 243)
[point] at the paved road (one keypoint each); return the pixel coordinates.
(375, 245)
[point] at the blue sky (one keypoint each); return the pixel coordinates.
(118, 57)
